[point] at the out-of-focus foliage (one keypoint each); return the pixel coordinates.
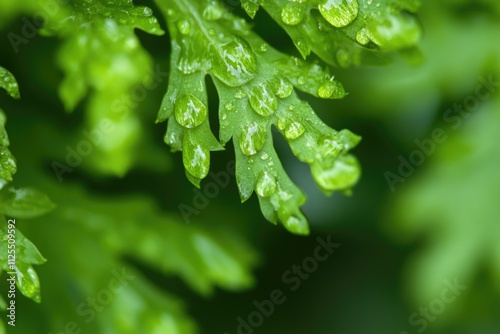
(453, 201)
(17, 253)
(450, 202)
(102, 58)
(110, 230)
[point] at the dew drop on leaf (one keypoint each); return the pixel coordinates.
(252, 139)
(184, 27)
(292, 15)
(362, 36)
(296, 225)
(263, 100)
(235, 63)
(342, 174)
(189, 111)
(229, 106)
(282, 88)
(294, 130)
(240, 94)
(250, 7)
(331, 89)
(196, 159)
(213, 11)
(329, 147)
(339, 12)
(281, 124)
(266, 185)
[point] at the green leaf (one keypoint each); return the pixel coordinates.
(204, 258)
(102, 57)
(26, 255)
(144, 308)
(9, 83)
(256, 92)
(346, 32)
(19, 203)
(24, 202)
(7, 161)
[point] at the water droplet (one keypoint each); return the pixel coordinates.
(190, 60)
(235, 63)
(189, 111)
(264, 156)
(213, 11)
(240, 94)
(263, 100)
(184, 27)
(329, 147)
(282, 88)
(282, 123)
(331, 89)
(266, 185)
(294, 130)
(296, 225)
(252, 139)
(250, 7)
(229, 106)
(263, 47)
(292, 15)
(362, 36)
(196, 159)
(341, 175)
(339, 12)
(148, 11)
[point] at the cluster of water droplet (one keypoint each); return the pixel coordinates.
(313, 79)
(255, 85)
(336, 169)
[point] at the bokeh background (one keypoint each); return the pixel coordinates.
(399, 246)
